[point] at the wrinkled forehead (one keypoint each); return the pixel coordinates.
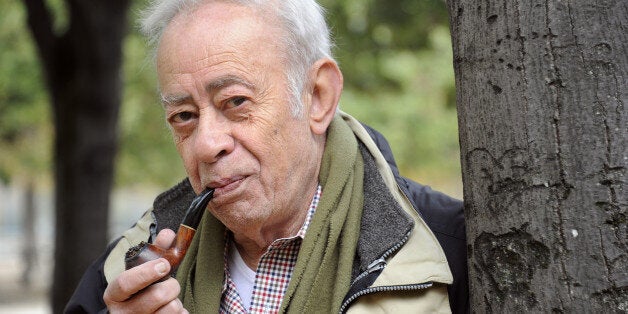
(218, 39)
(218, 26)
(222, 11)
(222, 21)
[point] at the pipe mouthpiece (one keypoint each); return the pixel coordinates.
(195, 212)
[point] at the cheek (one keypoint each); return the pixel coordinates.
(262, 137)
(184, 150)
(187, 157)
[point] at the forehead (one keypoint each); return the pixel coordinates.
(217, 30)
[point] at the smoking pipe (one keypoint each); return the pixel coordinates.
(145, 252)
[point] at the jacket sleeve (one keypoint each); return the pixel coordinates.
(445, 217)
(88, 296)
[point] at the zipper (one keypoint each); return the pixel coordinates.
(378, 265)
(417, 286)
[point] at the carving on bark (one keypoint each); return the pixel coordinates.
(509, 262)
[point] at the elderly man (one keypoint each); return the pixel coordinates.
(309, 214)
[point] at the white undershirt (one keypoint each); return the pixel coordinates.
(242, 276)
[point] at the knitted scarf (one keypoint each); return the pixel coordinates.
(322, 274)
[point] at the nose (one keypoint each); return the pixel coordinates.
(213, 139)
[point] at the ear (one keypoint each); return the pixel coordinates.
(326, 87)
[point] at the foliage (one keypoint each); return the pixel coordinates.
(420, 126)
(25, 125)
(366, 31)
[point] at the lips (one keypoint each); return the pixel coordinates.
(225, 185)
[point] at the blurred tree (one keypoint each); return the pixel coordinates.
(81, 63)
(542, 94)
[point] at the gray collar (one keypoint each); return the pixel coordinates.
(384, 223)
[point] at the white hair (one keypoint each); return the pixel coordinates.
(305, 34)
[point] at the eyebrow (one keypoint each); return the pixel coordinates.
(227, 80)
(214, 85)
(172, 100)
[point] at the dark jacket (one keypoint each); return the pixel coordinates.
(443, 215)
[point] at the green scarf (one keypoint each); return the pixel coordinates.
(322, 274)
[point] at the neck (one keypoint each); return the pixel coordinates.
(252, 242)
(252, 245)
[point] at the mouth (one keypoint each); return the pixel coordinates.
(225, 185)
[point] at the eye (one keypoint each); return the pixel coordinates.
(235, 101)
(181, 117)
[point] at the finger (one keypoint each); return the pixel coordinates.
(164, 238)
(135, 279)
(175, 306)
(161, 295)
(150, 299)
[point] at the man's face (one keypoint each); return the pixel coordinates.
(221, 73)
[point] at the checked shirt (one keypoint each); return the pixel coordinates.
(273, 272)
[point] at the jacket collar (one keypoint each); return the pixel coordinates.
(384, 223)
(420, 258)
(170, 206)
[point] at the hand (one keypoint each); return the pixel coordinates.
(135, 290)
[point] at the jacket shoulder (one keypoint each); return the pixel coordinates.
(444, 215)
(87, 297)
(168, 210)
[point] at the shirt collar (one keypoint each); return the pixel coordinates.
(310, 213)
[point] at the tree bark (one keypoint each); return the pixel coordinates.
(82, 68)
(541, 95)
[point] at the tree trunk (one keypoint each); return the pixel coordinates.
(541, 93)
(82, 68)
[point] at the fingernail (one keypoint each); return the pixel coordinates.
(161, 268)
